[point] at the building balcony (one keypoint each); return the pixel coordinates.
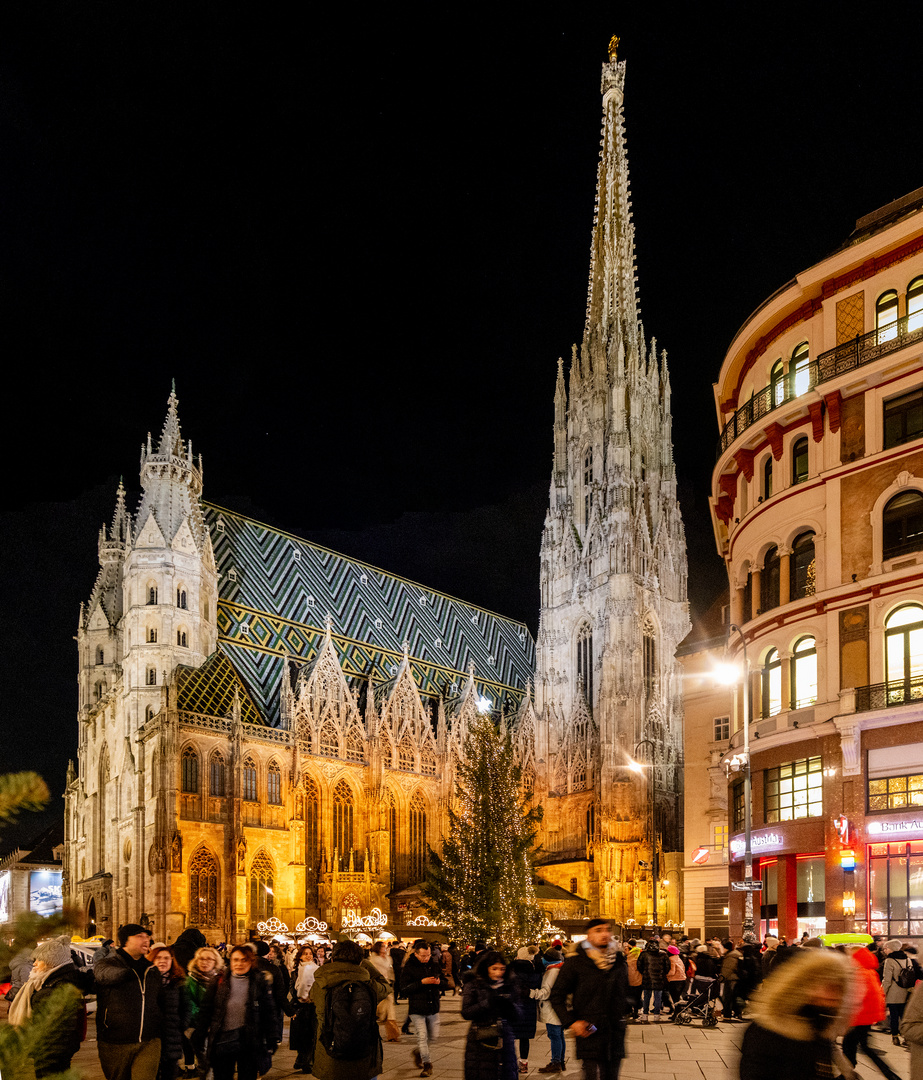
(890, 694)
(862, 350)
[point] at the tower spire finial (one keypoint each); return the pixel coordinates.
(613, 48)
(171, 441)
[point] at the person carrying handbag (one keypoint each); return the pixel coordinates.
(379, 961)
(489, 1001)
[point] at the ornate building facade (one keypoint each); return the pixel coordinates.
(268, 728)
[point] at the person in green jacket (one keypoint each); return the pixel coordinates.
(345, 965)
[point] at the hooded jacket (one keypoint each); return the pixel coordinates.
(653, 965)
(871, 998)
(325, 1067)
(890, 972)
(128, 1003)
(782, 1041)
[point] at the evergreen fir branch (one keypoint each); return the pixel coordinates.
(21, 791)
(34, 1046)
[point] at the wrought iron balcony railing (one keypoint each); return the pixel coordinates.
(885, 695)
(863, 349)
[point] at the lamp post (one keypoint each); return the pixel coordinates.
(744, 763)
(655, 859)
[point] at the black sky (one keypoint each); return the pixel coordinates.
(359, 244)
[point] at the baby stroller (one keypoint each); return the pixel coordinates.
(702, 1005)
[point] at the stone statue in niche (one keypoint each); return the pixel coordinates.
(176, 854)
(241, 856)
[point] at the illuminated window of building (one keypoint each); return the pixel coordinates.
(343, 819)
(800, 370)
(249, 792)
(722, 728)
(203, 889)
(794, 790)
(902, 524)
(311, 823)
(915, 305)
(216, 775)
(591, 822)
(804, 673)
(190, 769)
(886, 316)
(649, 659)
(800, 460)
(417, 837)
(769, 580)
(573, 885)
(261, 889)
(274, 784)
(389, 815)
(585, 662)
(803, 569)
(748, 598)
(903, 416)
(578, 773)
(350, 907)
(777, 383)
(720, 840)
(895, 792)
(772, 683)
(353, 746)
(904, 654)
(896, 889)
(767, 477)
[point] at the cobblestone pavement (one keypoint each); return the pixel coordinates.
(664, 1051)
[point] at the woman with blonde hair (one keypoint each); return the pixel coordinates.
(205, 966)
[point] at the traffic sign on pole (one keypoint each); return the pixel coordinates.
(747, 886)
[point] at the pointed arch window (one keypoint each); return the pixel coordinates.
(274, 784)
(528, 779)
(203, 889)
(801, 581)
(181, 598)
(152, 635)
(389, 816)
(350, 907)
(216, 775)
(587, 485)
(329, 741)
(405, 755)
(343, 810)
(585, 662)
(772, 683)
(417, 837)
(152, 676)
(902, 524)
(148, 713)
(800, 460)
(804, 673)
(311, 823)
(100, 656)
(181, 638)
(152, 594)
(649, 659)
(915, 305)
(428, 761)
(769, 580)
(354, 746)
(590, 825)
(190, 769)
(886, 316)
(578, 773)
(262, 876)
(250, 788)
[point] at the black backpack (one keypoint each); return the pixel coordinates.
(907, 979)
(350, 1028)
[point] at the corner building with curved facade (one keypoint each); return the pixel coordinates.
(817, 506)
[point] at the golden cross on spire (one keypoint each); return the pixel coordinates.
(613, 48)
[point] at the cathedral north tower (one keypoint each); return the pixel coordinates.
(613, 582)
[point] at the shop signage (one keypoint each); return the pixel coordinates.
(892, 828)
(700, 855)
(747, 886)
(758, 842)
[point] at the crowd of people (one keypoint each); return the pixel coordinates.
(191, 1010)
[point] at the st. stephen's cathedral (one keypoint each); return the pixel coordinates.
(269, 728)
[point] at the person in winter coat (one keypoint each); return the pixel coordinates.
(279, 975)
(634, 979)
(523, 974)
(489, 1000)
(706, 966)
(237, 1020)
(380, 959)
(53, 969)
(204, 968)
(895, 995)
(912, 1030)
(421, 982)
(770, 945)
(653, 965)
(553, 959)
(174, 1008)
(344, 965)
(870, 1009)
(797, 1015)
(589, 996)
(128, 1020)
(302, 1032)
(730, 975)
(20, 970)
(676, 976)
(187, 945)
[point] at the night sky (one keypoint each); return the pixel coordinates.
(359, 244)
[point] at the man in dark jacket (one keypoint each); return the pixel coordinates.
(653, 966)
(589, 998)
(128, 1020)
(421, 982)
(279, 976)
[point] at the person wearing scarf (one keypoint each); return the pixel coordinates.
(53, 969)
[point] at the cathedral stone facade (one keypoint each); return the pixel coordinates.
(270, 729)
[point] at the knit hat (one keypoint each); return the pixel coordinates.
(672, 950)
(55, 952)
(553, 956)
(556, 944)
(812, 943)
(129, 930)
(525, 953)
(893, 945)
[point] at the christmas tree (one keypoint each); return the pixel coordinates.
(481, 886)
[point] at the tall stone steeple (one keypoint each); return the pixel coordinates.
(613, 574)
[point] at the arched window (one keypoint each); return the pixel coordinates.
(585, 662)
(769, 580)
(190, 771)
(148, 713)
(801, 579)
(216, 775)
(772, 683)
(777, 383)
(915, 305)
(405, 755)
(261, 893)
(649, 659)
(203, 889)
(767, 477)
(886, 316)
(181, 638)
(311, 823)
(578, 773)
(902, 524)
(249, 779)
(100, 656)
(587, 485)
(350, 907)
(151, 676)
(590, 825)
(152, 594)
(427, 761)
(181, 598)
(528, 779)
(353, 746)
(274, 784)
(343, 819)
(804, 673)
(152, 635)
(904, 654)
(417, 837)
(800, 370)
(99, 690)
(389, 816)
(329, 741)
(800, 460)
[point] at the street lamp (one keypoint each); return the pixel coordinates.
(655, 858)
(729, 675)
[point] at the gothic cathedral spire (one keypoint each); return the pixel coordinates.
(613, 577)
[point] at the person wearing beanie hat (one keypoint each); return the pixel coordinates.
(128, 1018)
(895, 995)
(527, 981)
(52, 969)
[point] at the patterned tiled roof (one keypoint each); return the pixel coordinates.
(210, 689)
(276, 590)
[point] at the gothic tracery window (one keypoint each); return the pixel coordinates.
(649, 658)
(343, 819)
(587, 485)
(203, 889)
(249, 792)
(417, 837)
(427, 761)
(261, 888)
(329, 742)
(406, 755)
(274, 784)
(311, 823)
(354, 746)
(216, 774)
(190, 769)
(389, 817)
(585, 662)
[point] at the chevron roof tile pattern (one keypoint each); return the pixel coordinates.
(276, 589)
(210, 690)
